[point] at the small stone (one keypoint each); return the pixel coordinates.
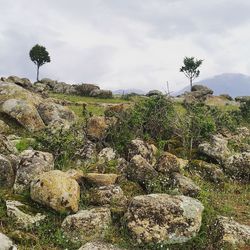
(101, 179)
(6, 243)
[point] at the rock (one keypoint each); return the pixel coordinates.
(216, 149)
(227, 97)
(139, 170)
(87, 225)
(154, 93)
(207, 171)
(51, 113)
(85, 89)
(202, 88)
(23, 220)
(6, 243)
(88, 152)
(96, 127)
(96, 179)
(100, 93)
(23, 112)
(32, 163)
(122, 166)
(238, 166)
(116, 110)
(228, 232)
(168, 163)
(242, 98)
(24, 238)
(107, 195)
(75, 174)
(107, 154)
(23, 82)
(99, 246)
(56, 190)
(185, 185)
(198, 93)
(162, 218)
(4, 128)
(6, 147)
(139, 147)
(7, 176)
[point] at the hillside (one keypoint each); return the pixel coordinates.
(232, 84)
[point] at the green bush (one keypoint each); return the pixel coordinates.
(245, 110)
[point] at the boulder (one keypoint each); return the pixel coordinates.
(242, 98)
(88, 151)
(216, 149)
(100, 93)
(139, 170)
(116, 109)
(99, 246)
(6, 147)
(23, 82)
(96, 179)
(229, 233)
(107, 154)
(32, 163)
(6, 243)
(23, 112)
(185, 185)
(162, 218)
(87, 225)
(7, 176)
(107, 195)
(154, 93)
(76, 174)
(85, 89)
(238, 166)
(56, 190)
(202, 89)
(4, 128)
(168, 163)
(96, 127)
(22, 220)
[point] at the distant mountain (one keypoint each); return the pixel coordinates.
(228, 83)
(129, 91)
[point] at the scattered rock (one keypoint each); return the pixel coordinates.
(87, 225)
(7, 176)
(162, 218)
(4, 128)
(107, 195)
(56, 190)
(228, 232)
(6, 243)
(216, 149)
(96, 179)
(96, 127)
(23, 220)
(238, 166)
(32, 163)
(6, 147)
(107, 154)
(88, 152)
(23, 82)
(99, 246)
(168, 163)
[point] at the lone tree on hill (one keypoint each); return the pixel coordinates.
(190, 68)
(39, 56)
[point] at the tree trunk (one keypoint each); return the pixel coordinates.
(191, 84)
(37, 73)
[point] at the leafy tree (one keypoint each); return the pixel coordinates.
(39, 55)
(190, 68)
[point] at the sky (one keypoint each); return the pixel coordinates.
(121, 44)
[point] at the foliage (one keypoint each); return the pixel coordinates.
(190, 68)
(39, 56)
(63, 144)
(245, 110)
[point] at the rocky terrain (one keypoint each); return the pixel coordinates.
(144, 172)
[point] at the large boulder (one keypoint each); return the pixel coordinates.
(85, 89)
(238, 166)
(154, 93)
(96, 127)
(162, 218)
(229, 233)
(99, 246)
(216, 149)
(202, 89)
(87, 225)
(23, 82)
(100, 93)
(32, 163)
(6, 243)
(56, 190)
(7, 176)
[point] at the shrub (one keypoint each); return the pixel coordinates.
(245, 110)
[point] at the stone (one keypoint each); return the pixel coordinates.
(6, 243)
(85, 89)
(96, 127)
(185, 185)
(99, 246)
(7, 176)
(88, 152)
(242, 98)
(107, 154)
(162, 218)
(168, 163)
(87, 225)
(75, 174)
(4, 128)
(201, 88)
(96, 179)
(22, 220)
(154, 93)
(100, 93)
(23, 112)
(238, 166)
(139, 170)
(228, 232)
(32, 163)
(107, 195)
(6, 147)
(216, 149)
(116, 110)
(56, 190)
(23, 82)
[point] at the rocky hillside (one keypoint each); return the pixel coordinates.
(151, 172)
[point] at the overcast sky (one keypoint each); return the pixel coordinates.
(125, 43)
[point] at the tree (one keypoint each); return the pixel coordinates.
(190, 68)
(39, 55)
